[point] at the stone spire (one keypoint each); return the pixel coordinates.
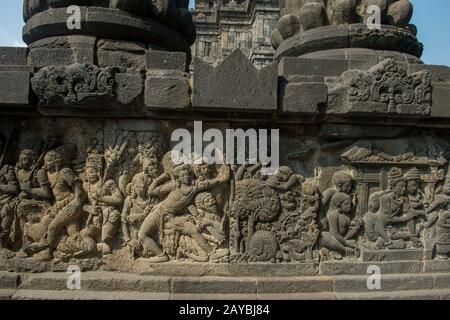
(309, 26)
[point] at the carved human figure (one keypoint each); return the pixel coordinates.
(338, 237)
(9, 189)
(180, 195)
(441, 221)
(103, 203)
(67, 192)
(36, 192)
(343, 182)
(382, 227)
(208, 217)
(432, 213)
(416, 201)
(283, 180)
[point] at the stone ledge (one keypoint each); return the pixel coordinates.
(15, 88)
(113, 286)
(13, 56)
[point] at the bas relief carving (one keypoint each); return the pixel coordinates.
(120, 193)
(387, 87)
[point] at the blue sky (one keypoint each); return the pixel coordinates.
(432, 18)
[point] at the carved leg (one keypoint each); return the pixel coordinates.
(331, 243)
(191, 230)
(148, 229)
(109, 232)
(381, 231)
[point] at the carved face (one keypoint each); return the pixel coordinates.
(26, 160)
(92, 175)
(346, 206)
(345, 187)
(400, 188)
(140, 186)
(51, 160)
(151, 167)
(412, 186)
(184, 176)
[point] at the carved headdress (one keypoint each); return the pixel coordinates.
(95, 161)
(395, 176)
(413, 174)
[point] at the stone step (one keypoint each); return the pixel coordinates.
(245, 287)
(22, 294)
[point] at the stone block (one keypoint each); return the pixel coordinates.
(8, 280)
(216, 285)
(304, 97)
(441, 100)
(389, 282)
(392, 255)
(62, 51)
(14, 88)
(166, 60)
(121, 54)
(13, 56)
(360, 268)
(295, 285)
(438, 73)
(129, 86)
(290, 66)
(277, 270)
(167, 92)
(235, 85)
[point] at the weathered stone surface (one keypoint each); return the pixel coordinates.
(388, 283)
(104, 23)
(392, 255)
(358, 268)
(62, 51)
(304, 97)
(167, 92)
(14, 88)
(214, 285)
(166, 60)
(8, 280)
(13, 56)
(129, 87)
(295, 285)
(289, 66)
(220, 87)
(121, 54)
(438, 73)
(385, 88)
(441, 100)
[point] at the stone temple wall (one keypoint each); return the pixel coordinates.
(87, 177)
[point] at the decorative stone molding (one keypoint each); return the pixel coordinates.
(84, 84)
(385, 88)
